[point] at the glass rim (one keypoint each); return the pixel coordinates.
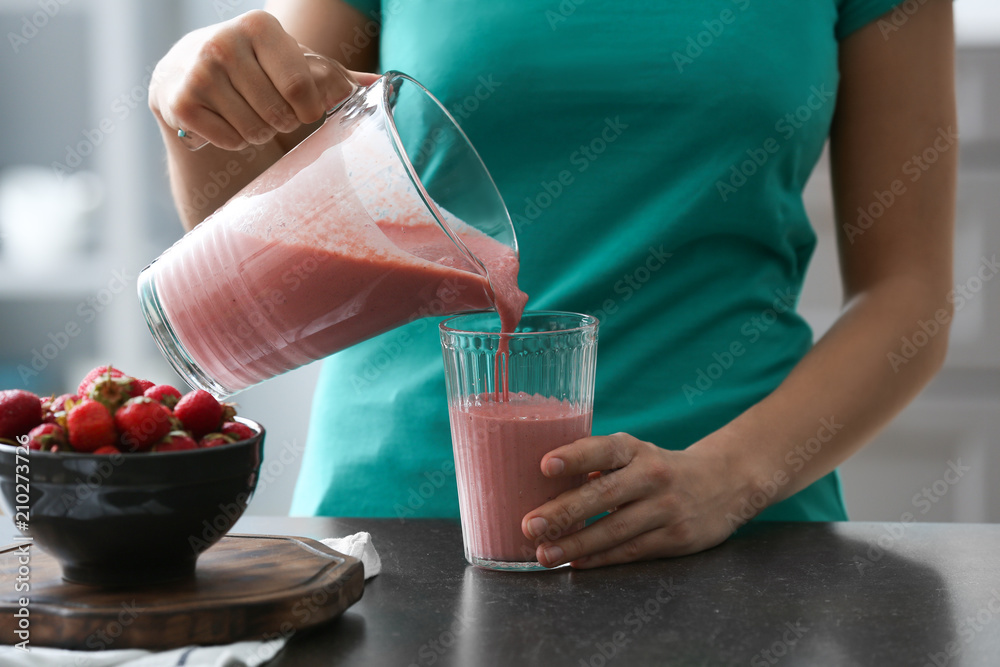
(587, 322)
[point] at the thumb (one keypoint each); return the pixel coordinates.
(364, 78)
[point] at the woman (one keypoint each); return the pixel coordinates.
(653, 156)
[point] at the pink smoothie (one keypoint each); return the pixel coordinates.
(498, 450)
(307, 261)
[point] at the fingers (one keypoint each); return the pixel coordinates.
(364, 78)
(599, 494)
(662, 503)
(211, 126)
(256, 88)
(610, 531)
(292, 78)
(334, 81)
(288, 71)
(222, 116)
(606, 452)
(242, 82)
(679, 537)
(565, 513)
(647, 546)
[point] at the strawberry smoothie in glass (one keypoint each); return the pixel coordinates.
(512, 398)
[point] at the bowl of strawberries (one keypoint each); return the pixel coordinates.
(125, 482)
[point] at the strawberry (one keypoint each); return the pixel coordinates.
(112, 391)
(237, 431)
(20, 411)
(47, 436)
(91, 426)
(140, 387)
(199, 412)
(142, 422)
(215, 440)
(88, 379)
(107, 449)
(54, 408)
(165, 394)
(176, 441)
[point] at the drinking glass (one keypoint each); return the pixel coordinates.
(511, 399)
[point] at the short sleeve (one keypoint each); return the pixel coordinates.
(855, 14)
(370, 8)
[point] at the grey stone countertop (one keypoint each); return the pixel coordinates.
(779, 593)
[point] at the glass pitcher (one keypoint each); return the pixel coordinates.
(383, 215)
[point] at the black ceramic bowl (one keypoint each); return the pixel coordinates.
(131, 519)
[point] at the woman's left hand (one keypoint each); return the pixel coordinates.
(661, 502)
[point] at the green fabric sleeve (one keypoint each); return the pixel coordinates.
(856, 14)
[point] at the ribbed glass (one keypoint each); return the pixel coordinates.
(513, 398)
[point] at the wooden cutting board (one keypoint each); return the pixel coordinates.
(245, 587)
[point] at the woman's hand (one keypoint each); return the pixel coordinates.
(240, 82)
(661, 502)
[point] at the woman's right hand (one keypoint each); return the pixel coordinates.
(240, 82)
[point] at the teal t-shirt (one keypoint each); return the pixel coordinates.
(653, 156)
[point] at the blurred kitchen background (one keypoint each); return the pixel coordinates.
(85, 204)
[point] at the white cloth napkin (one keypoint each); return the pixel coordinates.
(358, 545)
(240, 654)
